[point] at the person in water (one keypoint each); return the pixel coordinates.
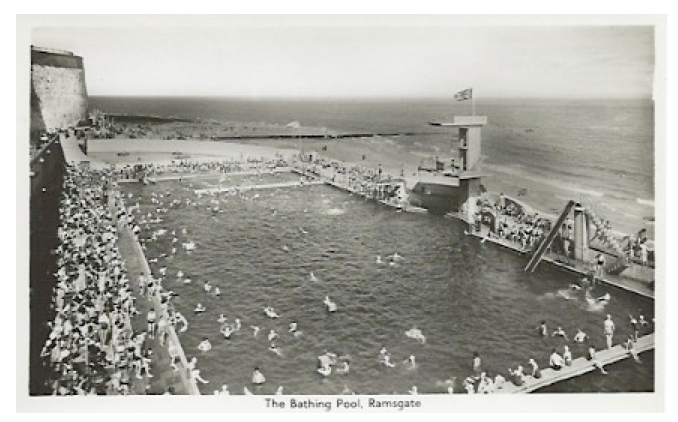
(275, 350)
(477, 363)
(608, 329)
(411, 361)
(205, 345)
(257, 377)
(580, 337)
(560, 333)
(541, 328)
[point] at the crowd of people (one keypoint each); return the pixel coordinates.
(92, 348)
(511, 222)
(365, 181)
(187, 167)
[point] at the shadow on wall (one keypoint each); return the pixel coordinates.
(37, 125)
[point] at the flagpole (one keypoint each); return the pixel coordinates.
(473, 103)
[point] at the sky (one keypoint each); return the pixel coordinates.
(361, 61)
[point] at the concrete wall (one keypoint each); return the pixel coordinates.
(58, 91)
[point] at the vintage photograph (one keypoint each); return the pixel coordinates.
(337, 208)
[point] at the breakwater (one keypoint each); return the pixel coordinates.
(325, 136)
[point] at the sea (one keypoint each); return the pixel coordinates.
(465, 296)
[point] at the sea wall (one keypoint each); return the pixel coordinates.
(58, 90)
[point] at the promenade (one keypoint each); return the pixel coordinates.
(164, 377)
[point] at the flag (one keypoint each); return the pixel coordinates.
(464, 95)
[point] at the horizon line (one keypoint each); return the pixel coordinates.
(375, 97)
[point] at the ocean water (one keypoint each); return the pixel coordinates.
(597, 151)
(465, 296)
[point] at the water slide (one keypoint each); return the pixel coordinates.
(536, 258)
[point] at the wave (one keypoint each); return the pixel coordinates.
(540, 179)
(647, 202)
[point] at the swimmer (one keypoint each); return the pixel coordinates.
(163, 270)
(226, 331)
(302, 230)
(414, 391)
(223, 392)
(331, 306)
(293, 327)
(379, 261)
(313, 277)
(270, 312)
(272, 335)
(285, 248)
(187, 280)
(416, 334)
(604, 298)
(200, 308)
(247, 391)
(236, 325)
(222, 319)
(195, 373)
(411, 361)
(279, 391)
(346, 390)
(386, 360)
(325, 370)
(174, 251)
(257, 377)
(207, 286)
(180, 274)
(217, 292)
(255, 330)
(560, 333)
(274, 349)
(205, 345)
(580, 337)
(396, 257)
(542, 329)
